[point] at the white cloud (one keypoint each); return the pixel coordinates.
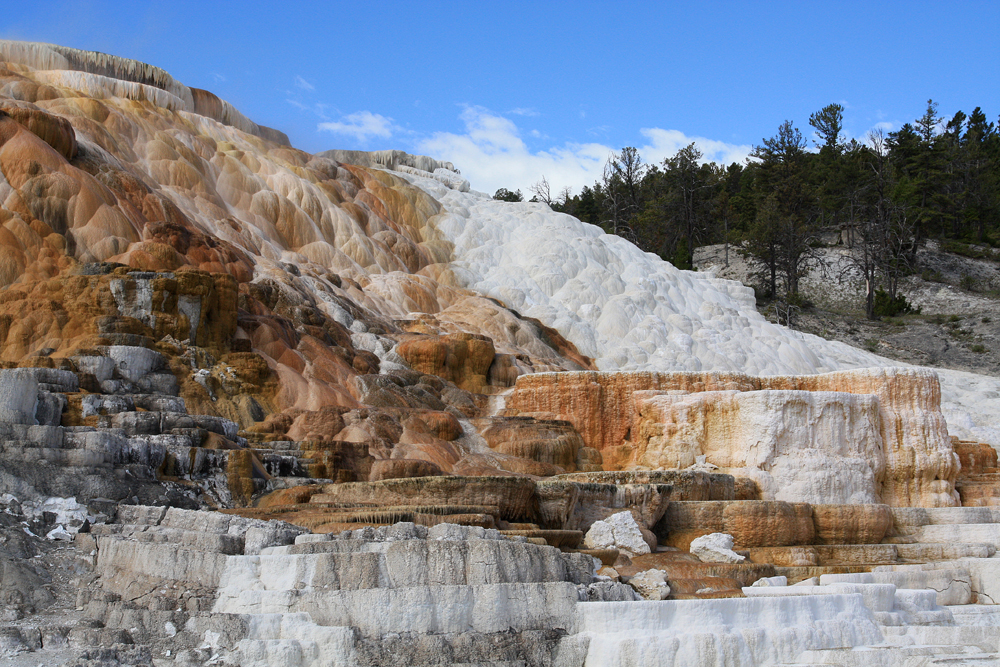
(522, 111)
(303, 84)
(491, 154)
(361, 126)
(666, 143)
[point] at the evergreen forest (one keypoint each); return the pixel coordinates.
(935, 178)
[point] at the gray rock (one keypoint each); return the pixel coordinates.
(606, 591)
(141, 515)
(48, 411)
(134, 362)
(53, 379)
(451, 531)
(223, 427)
(102, 368)
(272, 534)
(18, 395)
(160, 403)
(137, 423)
(159, 383)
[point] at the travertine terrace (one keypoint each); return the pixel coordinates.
(265, 407)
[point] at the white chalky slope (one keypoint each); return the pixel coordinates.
(630, 310)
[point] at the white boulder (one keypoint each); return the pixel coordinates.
(651, 584)
(715, 548)
(619, 531)
(767, 582)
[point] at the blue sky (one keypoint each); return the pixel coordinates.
(513, 91)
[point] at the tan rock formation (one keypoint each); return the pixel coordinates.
(851, 524)
(599, 404)
(758, 523)
(400, 468)
(464, 359)
(569, 505)
(978, 483)
(55, 131)
(513, 496)
(797, 445)
(544, 440)
(920, 465)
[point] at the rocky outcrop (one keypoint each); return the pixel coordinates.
(978, 483)
(756, 524)
(549, 441)
(57, 132)
(345, 599)
(600, 405)
(464, 359)
(797, 445)
(874, 435)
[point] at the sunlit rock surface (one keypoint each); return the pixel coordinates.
(865, 436)
(195, 314)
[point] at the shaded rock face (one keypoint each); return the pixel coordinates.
(870, 436)
(55, 131)
(977, 483)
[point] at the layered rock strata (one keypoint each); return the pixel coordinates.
(848, 437)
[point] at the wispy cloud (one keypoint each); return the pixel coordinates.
(218, 77)
(492, 154)
(361, 126)
(303, 84)
(522, 111)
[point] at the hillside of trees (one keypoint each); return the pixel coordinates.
(931, 179)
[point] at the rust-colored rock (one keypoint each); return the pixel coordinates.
(440, 424)
(759, 523)
(744, 573)
(599, 404)
(544, 440)
(463, 358)
(800, 556)
(851, 524)
(322, 424)
(976, 457)
(513, 496)
(54, 130)
(686, 521)
(400, 468)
